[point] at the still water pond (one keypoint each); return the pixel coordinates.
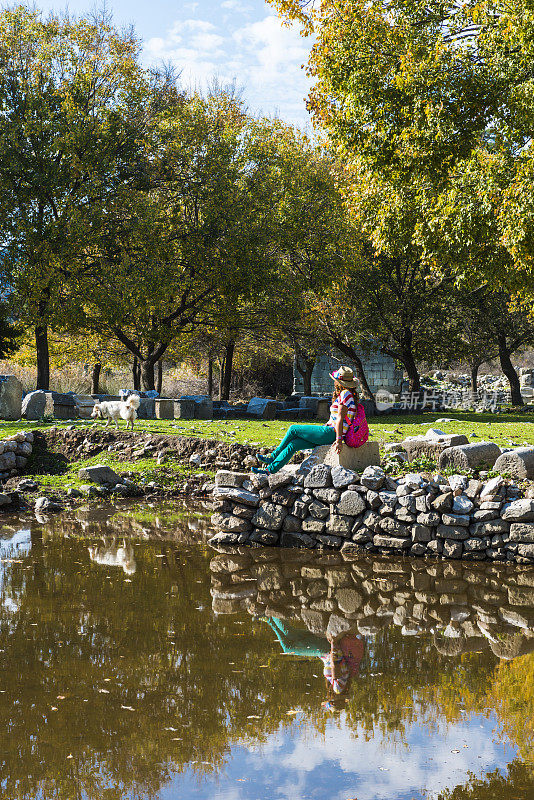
(136, 663)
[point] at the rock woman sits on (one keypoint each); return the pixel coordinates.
(345, 414)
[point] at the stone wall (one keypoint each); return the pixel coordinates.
(334, 508)
(379, 369)
(14, 453)
(465, 607)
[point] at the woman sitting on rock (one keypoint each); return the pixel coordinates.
(343, 410)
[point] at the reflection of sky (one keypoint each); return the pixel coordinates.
(299, 763)
(18, 546)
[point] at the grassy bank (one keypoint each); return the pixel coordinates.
(504, 429)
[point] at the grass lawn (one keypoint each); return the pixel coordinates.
(504, 429)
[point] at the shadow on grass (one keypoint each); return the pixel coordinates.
(43, 462)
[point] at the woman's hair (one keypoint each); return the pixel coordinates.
(338, 388)
(337, 700)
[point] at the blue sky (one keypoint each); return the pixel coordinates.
(228, 39)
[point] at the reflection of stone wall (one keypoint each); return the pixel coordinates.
(465, 607)
(317, 506)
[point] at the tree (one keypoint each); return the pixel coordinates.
(312, 240)
(431, 104)
(188, 243)
(68, 138)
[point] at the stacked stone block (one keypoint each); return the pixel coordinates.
(14, 453)
(333, 508)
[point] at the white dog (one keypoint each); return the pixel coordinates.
(108, 554)
(118, 409)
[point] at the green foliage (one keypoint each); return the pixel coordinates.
(65, 148)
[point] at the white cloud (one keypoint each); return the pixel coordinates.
(275, 47)
(264, 57)
(235, 5)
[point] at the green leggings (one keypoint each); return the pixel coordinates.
(300, 437)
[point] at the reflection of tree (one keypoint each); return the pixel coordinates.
(410, 682)
(76, 632)
(151, 642)
(512, 694)
(517, 784)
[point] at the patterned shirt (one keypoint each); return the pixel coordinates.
(345, 398)
(339, 683)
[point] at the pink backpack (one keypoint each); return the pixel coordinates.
(358, 431)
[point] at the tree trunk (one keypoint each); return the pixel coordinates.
(349, 351)
(43, 357)
(509, 370)
(305, 367)
(221, 376)
(210, 376)
(475, 366)
(227, 373)
(136, 374)
(414, 380)
(95, 378)
(147, 374)
(159, 385)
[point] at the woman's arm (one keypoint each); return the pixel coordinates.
(341, 414)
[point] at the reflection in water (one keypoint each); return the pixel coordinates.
(109, 554)
(202, 674)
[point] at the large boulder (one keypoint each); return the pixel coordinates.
(352, 458)
(521, 510)
(481, 455)
(10, 397)
(432, 444)
(34, 404)
(262, 407)
(517, 463)
(99, 473)
(203, 405)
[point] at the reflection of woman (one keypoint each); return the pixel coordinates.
(341, 658)
(341, 664)
(303, 437)
(296, 641)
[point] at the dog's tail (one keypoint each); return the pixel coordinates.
(134, 401)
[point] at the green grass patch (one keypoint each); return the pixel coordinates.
(143, 471)
(504, 429)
